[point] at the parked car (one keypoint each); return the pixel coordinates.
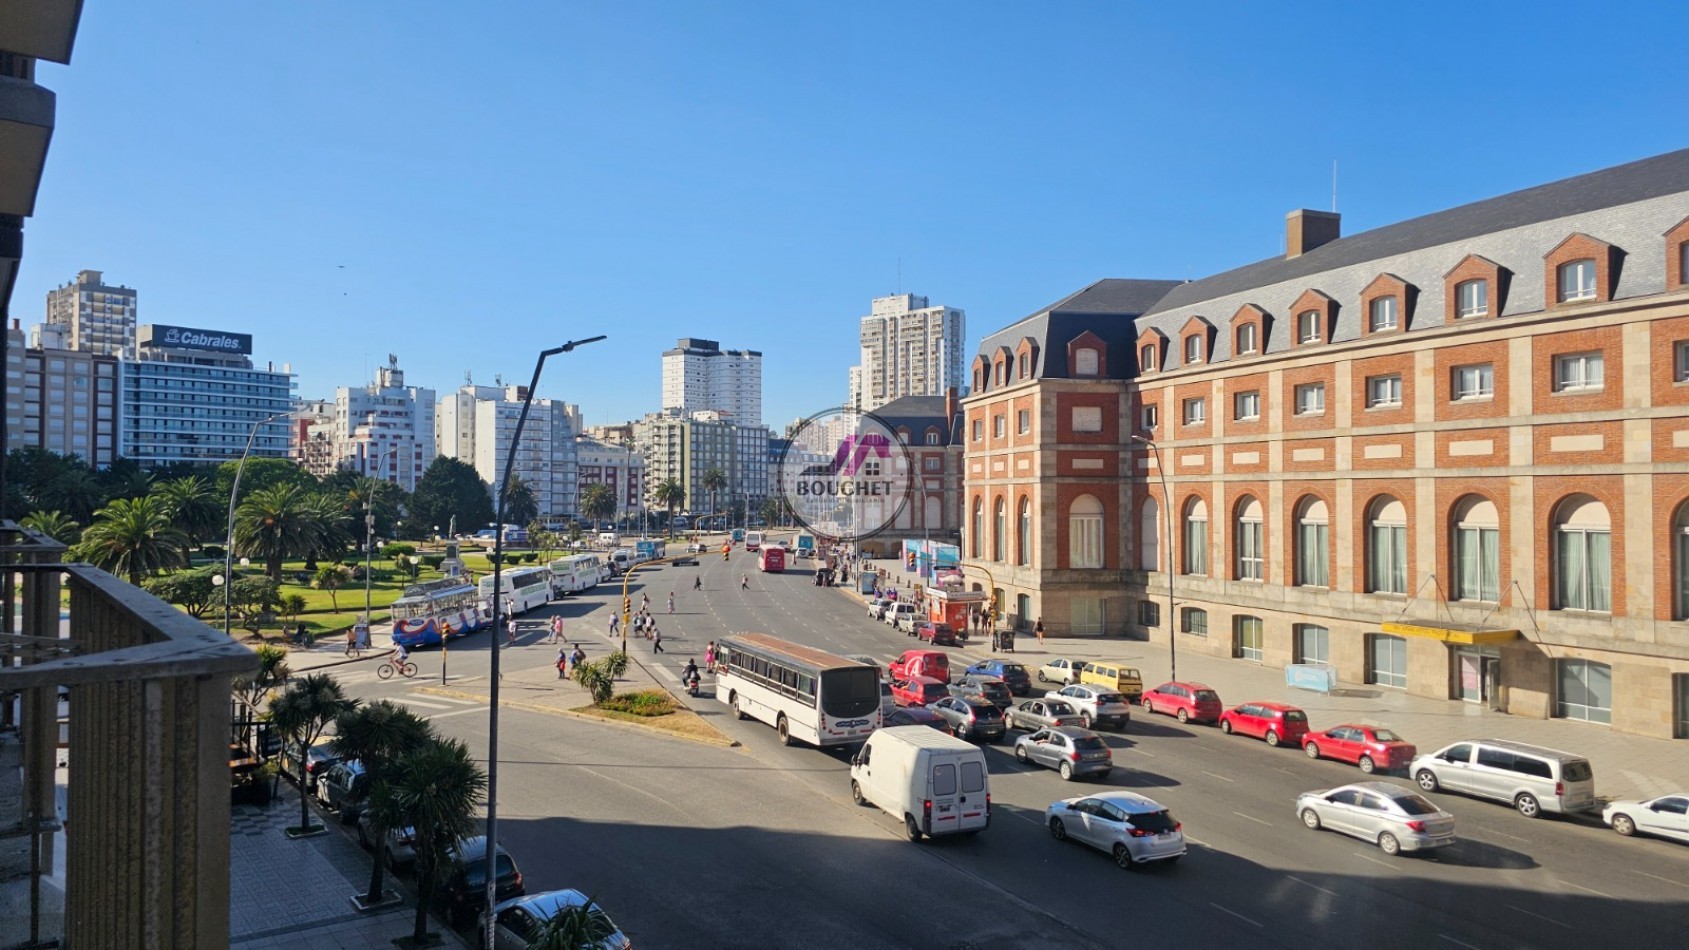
(1011, 673)
(1395, 818)
(988, 689)
(918, 690)
(1060, 670)
(938, 634)
(401, 843)
(1125, 680)
(907, 622)
(877, 607)
(931, 663)
(1533, 778)
(970, 718)
(1134, 829)
(518, 920)
(1035, 714)
(1274, 722)
(318, 759)
(1187, 701)
(343, 789)
(1099, 707)
(898, 614)
(915, 716)
(1666, 816)
(1370, 747)
(1072, 751)
(464, 893)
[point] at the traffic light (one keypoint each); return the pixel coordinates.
(627, 605)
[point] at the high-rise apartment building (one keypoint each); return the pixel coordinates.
(617, 466)
(64, 401)
(195, 396)
(687, 447)
(97, 318)
(699, 375)
(383, 430)
(475, 426)
(909, 348)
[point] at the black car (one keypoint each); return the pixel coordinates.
(916, 716)
(319, 758)
(465, 891)
(988, 689)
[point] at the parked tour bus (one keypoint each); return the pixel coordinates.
(772, 558)
(524, 589)
(804, 693)
(429, 613)
(753, 540)
(576, 573)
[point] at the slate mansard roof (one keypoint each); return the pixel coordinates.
(1106, 308)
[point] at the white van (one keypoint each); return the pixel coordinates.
(1532, 778)
(620, 560)
(938, 784)
(608, 538)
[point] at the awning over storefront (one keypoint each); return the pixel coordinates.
(1450, 633)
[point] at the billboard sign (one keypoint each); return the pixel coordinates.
(186, 338)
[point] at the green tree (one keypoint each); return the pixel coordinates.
(272, 672)
(436, 789)
(54, 524)
(278, 523)
(75, 492)
(134, 538)
(293, 605)
(598, 502)
(451, 488)
(195, 507)
(579, 927)
(252, 597)
(123, 478)
(333, 518)
(332, 577)
(380, 735)
(194, 591)
(671, 495)
(520, 505)
(261, 474)
(596, 678)
(773, 511)
(715, 482)
(302, 713)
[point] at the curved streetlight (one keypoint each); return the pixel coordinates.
(493, 672)
(1166, 502)
(234, 492)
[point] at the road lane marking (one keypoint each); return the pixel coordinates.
(1315, 887)
(1194, 841)
(1218, 776)
(1458, 943)
(1658, 878)
(1234, 914)
(456, 712)
(1589, 889)
(413, 701)
(459, 700)
(1539, 916)
(1368, 857)
(1253, 818)
(1143, 753)
(1506, 835)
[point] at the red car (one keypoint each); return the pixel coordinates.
(1274, 722)
(1187, 701)
(939, 633)
(918, 691)
(1370, 747)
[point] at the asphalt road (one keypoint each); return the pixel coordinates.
(693, 846)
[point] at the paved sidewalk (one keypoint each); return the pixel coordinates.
(1626, 766)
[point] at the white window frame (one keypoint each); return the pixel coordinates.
(1384, 392)
(1321, 636)
(1247, 345)
(1085, 540)
(1023, 421)
(1680, 357)
(1585, 704)
(1571, 283)
(1246, 406)
(1478, 306)
(1472, 382)
(1195, 411)
(1580, 372)
(1249, 638)
(1149, 416)
(1196, 545)
(1193, 349)
(1379, 674)
(1310, 399)
(1251, 552)
(999, 426)
(1146, 358)
(1383, 314)
(1308, 326)
(979, 430)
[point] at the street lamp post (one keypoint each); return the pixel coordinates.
(234, 492)
(369, 546)
(1167, 503)
(493, 671)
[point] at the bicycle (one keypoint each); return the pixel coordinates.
(386, 670)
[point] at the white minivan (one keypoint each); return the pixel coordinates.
(938, 784)
(1532, 778)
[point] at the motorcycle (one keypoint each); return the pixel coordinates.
(692, 682)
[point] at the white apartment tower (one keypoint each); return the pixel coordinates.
(384, 430)
(97, 318)
(474, 425)
(699, 375)
(909, 348)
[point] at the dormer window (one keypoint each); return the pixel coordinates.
(1085, 361)
(1472, 299)
(1308, 326)
(1382, 314)
(1193, 349)
(1025, 361)
(1146, 358)
(1577, 280)
(1246, 340)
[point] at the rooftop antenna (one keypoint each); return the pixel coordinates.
(1334, 186)
(900, 274)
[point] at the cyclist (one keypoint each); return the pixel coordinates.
(401, 656)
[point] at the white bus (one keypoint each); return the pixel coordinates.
(575, 573)
(524, 589)
(753, 540)
(804, 693)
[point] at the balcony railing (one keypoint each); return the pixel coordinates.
(145, 689)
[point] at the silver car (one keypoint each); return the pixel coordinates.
(1099, 707)
(521, 919)
(1035, 714)
(1125, 824)
(1397, 819)
(1072, 752)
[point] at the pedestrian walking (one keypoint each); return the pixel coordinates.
(557, 630)
(709, 657)
(511, 639)
(656, 640)
(351, 641)
(671, 601)
(562, 664)
(362, 629)
(744, 582)
(615, 622)
(1038, 628)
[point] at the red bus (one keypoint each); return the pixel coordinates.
(772, 558)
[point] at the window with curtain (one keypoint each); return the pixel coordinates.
(1577, 280)
(1251, 550)
(1000, 532)
(1583, 562)
(1196, 537)
(1313, 643)
(1477, 551)
(1195, 621)
(1023, 545)
(1585, 691)
(1085, 532)
(1313, 537)
(1149, 536)
(1247, 638)
(1680, 569)
(1246, 339)
(1387, 547)
(1382, 314)
(1387, 660)
(977, 543)
(1473, 299)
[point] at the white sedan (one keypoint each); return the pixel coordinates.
(1132, 828)
(1666, 816)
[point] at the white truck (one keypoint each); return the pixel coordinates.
(938, 784)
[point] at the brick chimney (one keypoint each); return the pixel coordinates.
(1305, 230)
(949, 404)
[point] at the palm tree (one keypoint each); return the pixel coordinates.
(714, 481)
(520, 505)
(379, 736)
(278, 523)
(74, 491)
(583, 925)
(598, 502)
(193, 505)
(272, 672)
(436, 789)
(333, 521)
(671, 495)
(134, 537)
(54, 524)
(302, 713)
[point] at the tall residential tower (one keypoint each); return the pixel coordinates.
(699, 375)
(909, 348)
(97, 318)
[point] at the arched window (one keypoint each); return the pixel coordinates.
(976, 544)
(1146, 358)
(1680, 565)
(1577, 280)
(1386, 544)
(1023, 545)
(1085, 532)
(1196, 537)
(932, 510)
(1583, 555)
(1149, 536)
(1000, 532)
(1477, 550)
(1085, 361)
(1313, 537)
(1246, 339)
(1251, 547)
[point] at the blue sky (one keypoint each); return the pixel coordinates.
(466, 184)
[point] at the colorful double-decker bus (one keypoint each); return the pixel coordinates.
(427, 614)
